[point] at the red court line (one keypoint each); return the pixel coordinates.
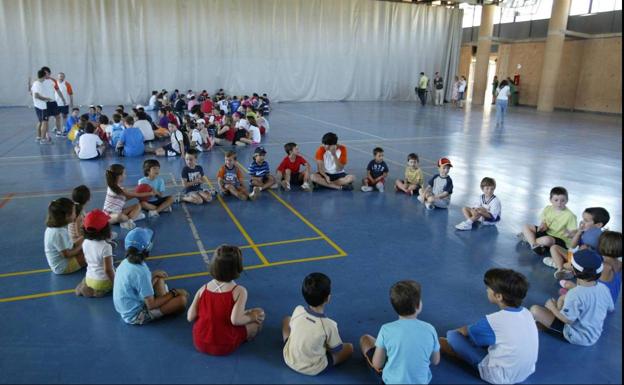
(6, 199)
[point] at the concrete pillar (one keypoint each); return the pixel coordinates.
(484, 47)
(552, 55)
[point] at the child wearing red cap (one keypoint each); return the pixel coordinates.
(98, 252)
(438, 191)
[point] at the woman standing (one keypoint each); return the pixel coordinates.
(502, 96)
(454, 91)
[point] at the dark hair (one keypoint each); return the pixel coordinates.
(80, 196)
(113, 172)
(487, 181)
(329, 139)
(141, 115)
(599, 215)
(95, 235)
(75, 109)
(316, 288)
(288, 147)
(134, 256)
(513, 286)
(154, 92)
(587, 275)
(58, 210)
(89, 128)
(120, 107)
(192, 152)
(610, 244)
(129, 120)
(103, 119)
(405, 297)
(41, 73)
(116, 118)
(414, 156)
(252, 121)
(230, 154)
(148, 164)
(84, 118)
(503, 84)
(98, 106)
(558, 191)
(226, 263)
(377, 150)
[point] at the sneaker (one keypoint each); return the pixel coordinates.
(465, 225)
(365, 188)
(421, 199)
(170, 209)
(37, 139)
(152, 213)
(429, 206)
(46, 141)
(140, 216)
(564, 275)
(380, 187)
(254, 193)
(58, 133)
(128, 225)
(306, 186)
(347, 187)
(548, 261)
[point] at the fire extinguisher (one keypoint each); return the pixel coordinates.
(516, 79)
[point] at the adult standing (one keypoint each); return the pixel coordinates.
(494, 89)
(40, 103)
(438, 85)
(461, 91)
(331, 158)
(454, 93)
(502, 99)
(66, 90)
(423, 82)
(51, 90)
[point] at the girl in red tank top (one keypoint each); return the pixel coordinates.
(221, 322)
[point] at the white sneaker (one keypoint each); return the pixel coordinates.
(128, 225)
(169, 209)
(465, 225)
(548, 261)
(275, 186)
(380, 186)
(421, 199)
(254, 193)
(367, 188)
(306, 186)
(152, 213)
(140, 216)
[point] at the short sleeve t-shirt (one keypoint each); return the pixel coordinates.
(114, 203)
(230, 175)
(293, 166)
(37, 88)
(409, 344)
(132, 139)
(55, 240)
(558, 221)
(440, 185)
(328, 160)
(192, 175)
(586, 307)
(95, 252)
(414, 176)
(259, 170)
(157, 184)
(256, 136)
(491, 204)
(377, 169)
(133, 283)
(88, 145)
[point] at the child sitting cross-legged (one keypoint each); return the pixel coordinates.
(192, 179)
(158, 203)
(222, 323)
(503, 346)
(312, 343)
(141, 296)
(230, 178)
(578, 316)
(115, 201)
(414, 179)
(288, 172)
(376, 172)
(438, 192)
(404, 348)
(63, 255)
(486, 210)
(260, 177)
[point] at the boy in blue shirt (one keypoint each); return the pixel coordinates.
(405, 348)
(131, 140)
(158, 203)
(376, 172)
(503, 346)
(73, 119)
(141, 296)
(260, 177)
(438, 192)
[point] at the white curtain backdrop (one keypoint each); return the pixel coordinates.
(117, 51)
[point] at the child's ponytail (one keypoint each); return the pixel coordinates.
(112, 174)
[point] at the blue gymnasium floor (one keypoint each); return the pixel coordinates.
(364, 242)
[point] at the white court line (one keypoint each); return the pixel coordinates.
(333, 124)
(189, 219)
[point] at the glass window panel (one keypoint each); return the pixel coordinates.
(579, 7)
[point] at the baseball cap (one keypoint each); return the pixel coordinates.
(587, 260)
(138, 107)
(95, 220)
(444, 162)
(591, 236)
(139, 238)
(202, 121)
(143, 188)
(259, 151)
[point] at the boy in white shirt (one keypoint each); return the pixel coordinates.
(486, 210)
(89, 146)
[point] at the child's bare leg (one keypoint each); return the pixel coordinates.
(176, 304)
(147, 206)
(269, 182)
(252, 330)
(365, 182)
(167, 203)
(367, 342)
(318, 179)
(345, 180)
(545, 241)
(205, 196)
(240, 143)
(280, 177)
(558, 255)
(117, 218)
(160, 287)
(560, 301)
(343, 354)
(569, 285)
(467, 211)
(80, 258)
(542, 315)
(306, 176)
(529, 234)
(241, 193)
(401, 186)
(132, 211)
(285, 328)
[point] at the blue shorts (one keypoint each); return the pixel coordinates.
(63, 110)
(52, 108)
(42, 116)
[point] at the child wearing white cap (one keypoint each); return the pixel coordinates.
(141, 296)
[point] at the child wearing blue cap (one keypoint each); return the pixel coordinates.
(141, 296)
(579, 315)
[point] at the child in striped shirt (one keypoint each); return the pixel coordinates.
(230, 178)
(260, 173)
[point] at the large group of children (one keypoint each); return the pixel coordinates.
(501, 346)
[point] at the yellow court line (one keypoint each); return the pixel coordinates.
(176, 277)
(176, 255)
